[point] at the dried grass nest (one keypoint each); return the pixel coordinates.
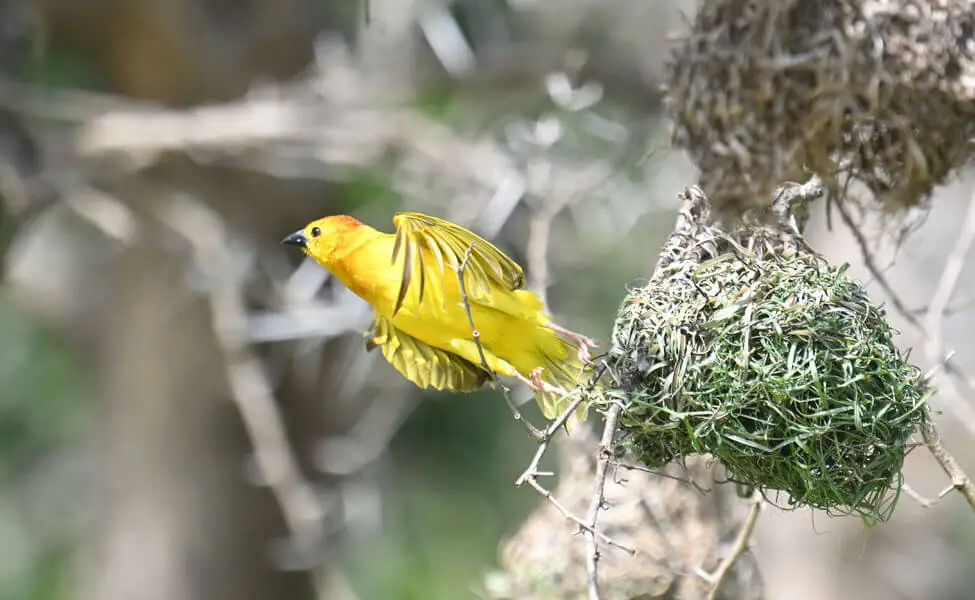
(751, 347)
(878, 92)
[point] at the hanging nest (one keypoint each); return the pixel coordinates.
(880, 92)
(752, 348)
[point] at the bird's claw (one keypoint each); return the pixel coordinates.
(582, 342)
(584, 354)
(535, 383)
(535, 376)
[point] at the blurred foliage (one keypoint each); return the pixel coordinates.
(449, 481)
(44, 411)
(21, 36)
(40, 407)
(45, 401)
(63, 68)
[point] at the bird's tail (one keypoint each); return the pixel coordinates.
(566, 371)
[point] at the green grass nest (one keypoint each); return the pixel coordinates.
(779, 366)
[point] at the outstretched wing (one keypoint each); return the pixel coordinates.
(423, 364)
(448, 244)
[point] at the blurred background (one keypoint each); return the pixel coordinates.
(188, 410)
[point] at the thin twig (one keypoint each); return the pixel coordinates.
(872, 267)
(532, 430)
(547, 435)
(539, 235)
(959, 479)
(741, 544)
(568, 514)
(661, 473)
(530, 476)
(924, 501)
(606, 445)
(554, 426)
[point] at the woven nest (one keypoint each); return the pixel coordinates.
(752, 348)
(880, 92)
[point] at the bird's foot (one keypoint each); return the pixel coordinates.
(584, 343)
(536, 384)
(535, 375)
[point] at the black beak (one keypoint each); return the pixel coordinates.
(296, 239)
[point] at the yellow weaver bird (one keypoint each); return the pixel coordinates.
(421, 325)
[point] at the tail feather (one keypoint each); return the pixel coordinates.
(559, 360)
(566, 372)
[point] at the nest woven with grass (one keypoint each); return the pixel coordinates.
(751, 347)
(880, 92)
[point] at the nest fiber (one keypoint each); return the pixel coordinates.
(880, 92)
(774, 362)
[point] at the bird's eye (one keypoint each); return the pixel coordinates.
(315, 232)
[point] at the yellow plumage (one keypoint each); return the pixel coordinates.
(421, 326)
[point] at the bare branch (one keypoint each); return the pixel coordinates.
(924, 501)
(959, 479)
(540, 231)
(740, 545)
(585, 526)
(532, 471)
(606, 446)
(530, 476)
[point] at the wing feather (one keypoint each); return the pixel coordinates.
(438, 256)
(423, 364)
(448, 243)
(407, 277)
(421, 270)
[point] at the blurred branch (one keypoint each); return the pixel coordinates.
(250, 388)
(277, 122)
(932, 328)
(933, 325)
(328, 125)
(302, 128)
(540, 230)
(870, 262)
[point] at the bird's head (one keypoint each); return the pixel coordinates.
(321, 238)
